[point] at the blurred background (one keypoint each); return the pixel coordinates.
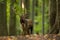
(44, 13)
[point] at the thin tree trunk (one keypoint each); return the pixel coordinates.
(53, 14)
(58, 5)
(12, 27)
(3, 19)
(55, 17)
(27, 7)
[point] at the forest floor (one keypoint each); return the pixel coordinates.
(32, 37)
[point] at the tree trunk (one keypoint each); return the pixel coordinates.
(27, 7)
(53, 12)
(58, 3)
(54, 16)
(3, 19)
(12, 27)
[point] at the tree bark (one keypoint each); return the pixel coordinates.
(53, 12)
(27, 7)
(54, 16)
(58, 3)
(12, 28)
(3, 18)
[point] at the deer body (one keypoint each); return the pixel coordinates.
(27, 25)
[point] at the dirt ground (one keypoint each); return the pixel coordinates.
(31, 37)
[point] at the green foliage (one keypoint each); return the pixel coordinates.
(38, 18)
(1, 0)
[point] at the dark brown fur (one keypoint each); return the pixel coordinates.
(27, 25)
